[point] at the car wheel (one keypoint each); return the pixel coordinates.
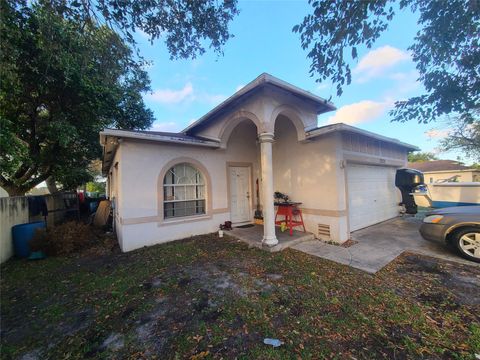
(467, 242)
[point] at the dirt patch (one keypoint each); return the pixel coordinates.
(453, 280)
(72, 323)
(201, 292)
(466, 287)
(421, 264)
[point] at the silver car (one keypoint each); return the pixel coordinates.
(457, 226)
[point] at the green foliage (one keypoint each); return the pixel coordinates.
(421, 156)
(186, 26)
(62, 82)
(96, 186)
(446, 49)
(67, 73)
(464, 135)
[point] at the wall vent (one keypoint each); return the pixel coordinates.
(324, 231)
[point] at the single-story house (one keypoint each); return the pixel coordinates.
(442, 170)
(168, 186)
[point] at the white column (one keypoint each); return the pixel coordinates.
(269, 238)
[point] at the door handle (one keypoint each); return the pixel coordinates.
(248, 195)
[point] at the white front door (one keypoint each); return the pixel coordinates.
(239, 194)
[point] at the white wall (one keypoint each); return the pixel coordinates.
(13, 211)
(139, 166)
(3, 192)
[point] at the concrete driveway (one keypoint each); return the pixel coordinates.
(379, 244)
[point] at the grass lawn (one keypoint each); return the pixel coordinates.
(216, 298)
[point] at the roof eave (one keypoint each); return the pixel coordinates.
(110, 147)
(446, 171)
(347, 128)
(109, 150)
(158, 138)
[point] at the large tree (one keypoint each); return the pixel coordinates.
(421, 156)
(186, 26)
(464, 135)
(67, 71)
(60, 85)
(446, 49)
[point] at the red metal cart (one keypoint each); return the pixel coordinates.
(292, 215)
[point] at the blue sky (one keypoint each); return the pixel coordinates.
(184, 90)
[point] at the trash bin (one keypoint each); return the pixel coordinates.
(22, 234)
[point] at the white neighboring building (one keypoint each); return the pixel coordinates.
(169, 186)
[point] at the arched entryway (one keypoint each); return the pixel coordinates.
(243, 171)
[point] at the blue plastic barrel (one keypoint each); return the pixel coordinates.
(93, 206)
(22, 234)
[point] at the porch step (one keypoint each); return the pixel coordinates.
(253, 237)
(284, 244)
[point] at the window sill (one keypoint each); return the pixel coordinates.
(184, 219)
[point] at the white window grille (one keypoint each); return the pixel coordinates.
(183, 192)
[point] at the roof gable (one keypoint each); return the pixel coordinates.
(263, 81)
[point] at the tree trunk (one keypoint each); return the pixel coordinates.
(51, 185)
(14, 191)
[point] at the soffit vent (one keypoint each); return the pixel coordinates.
(324, 231)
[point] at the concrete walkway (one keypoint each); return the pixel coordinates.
(380, 244)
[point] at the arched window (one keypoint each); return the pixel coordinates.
(183, 191)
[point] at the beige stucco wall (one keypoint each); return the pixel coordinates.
(139, 168)
(309, 172)
(315, 173)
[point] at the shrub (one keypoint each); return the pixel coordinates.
(63, 239)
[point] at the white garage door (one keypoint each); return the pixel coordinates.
(372, 195)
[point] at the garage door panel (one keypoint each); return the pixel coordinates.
(372, 195)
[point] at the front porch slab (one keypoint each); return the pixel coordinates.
(253, 237)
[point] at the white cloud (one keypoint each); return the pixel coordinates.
(212, 99)
(359, 112)
(168, 126)
(186, 94)
(142, 33)
(239, 87)
(375, 62)
(323, 86)
(437, 133)
(169, 96)
(406, 82)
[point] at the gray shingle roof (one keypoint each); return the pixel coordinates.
(438, 165)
